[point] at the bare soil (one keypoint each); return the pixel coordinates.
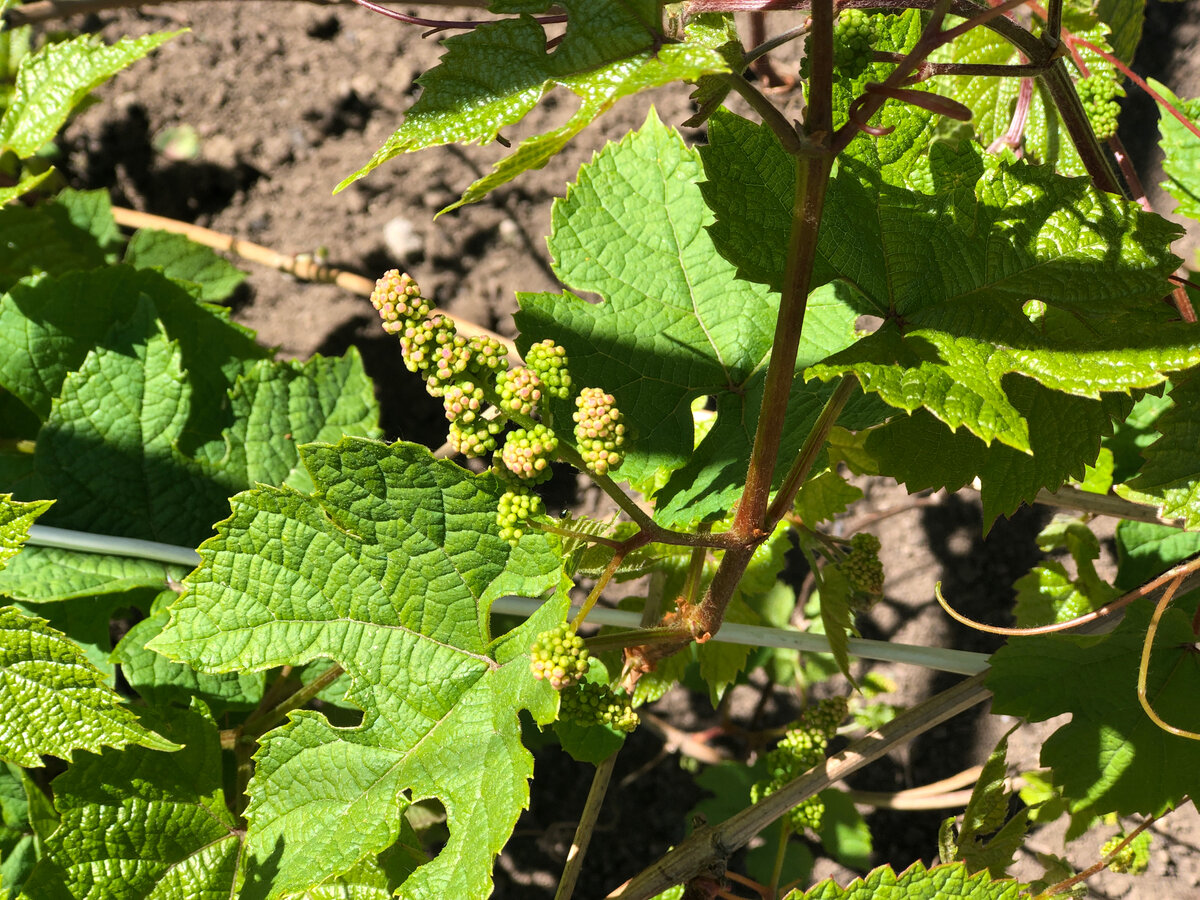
(288, 98)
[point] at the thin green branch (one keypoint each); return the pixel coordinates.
(789, 138)
(262, 721)
(786, 494)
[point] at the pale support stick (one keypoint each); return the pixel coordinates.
(957, 661)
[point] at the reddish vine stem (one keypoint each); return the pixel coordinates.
(812, 177)
(1144, 665)
(1091, 870)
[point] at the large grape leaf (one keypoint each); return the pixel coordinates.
(50, 574)
(916, 883)
(1181, 153)
(55, 78)
(184, 260)
(1111, 757)
(675, 323)
(1171, 475)
(1124, 19)
(1145, 549)
(142, 824)
(43, 239)
(492, 76)
(389, 568)
(53, 701)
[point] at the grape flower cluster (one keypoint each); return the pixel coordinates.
(854, 35)
(598, 704)
(559, 656)
(862, 567)
(1099, 94)
(482, 396)
(801, 748)
(1133, 858)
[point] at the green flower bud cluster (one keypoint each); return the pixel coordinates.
(398, 300)
(599, 430)
(516, 509)
(801, 748)
(862, 566)
(549, 363)
(854, 35)
(1134, 858)
(559, 656)
(527, 453)
(476, 439)
(462, 402)
(469, 374)
(1099, 94)
(520, 390)
(598, 704)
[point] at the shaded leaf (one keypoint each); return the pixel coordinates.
(184, 260)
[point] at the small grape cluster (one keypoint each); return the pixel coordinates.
(854, 35)
(559, 656)
(549, 363)
(1134, 857)
(801, 748)
(516, 508)
(527, 453)
(481, 394)
(598, 704)
(862, 567)
(1099, 95)
(599, 430)
(397, 299)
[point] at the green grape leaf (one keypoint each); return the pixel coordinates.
(491, 76)
(1145, 550)
(53, 701)
(1047, 593)
(1124, 19)
(184, 260)
(1134, 433)
(993, 101)
(986, 841)
(1064, 434)
(15, 520)
(54, 79)
(844, 833)
(1111, 757)
(837, 616)
(916, 883)
(137, 823)
(389, 569)
(23, 187)
(43, 239)
(824, 496)
(1171, 474)
(49, 325)
(1181, 152)
(161, 681)
(92, 211)
(19, 839)
(50, 574)
(675, 323)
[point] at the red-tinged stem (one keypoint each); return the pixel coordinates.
(1183, 303)
(1093, 869)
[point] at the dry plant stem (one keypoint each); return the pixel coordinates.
(1073, 498)
(637, 637)
(676, 740)
(587, 824)
(298, 267)
(1091, 870)
(903, 800)
(708, 848)
(1178, 572)
(1144, 664)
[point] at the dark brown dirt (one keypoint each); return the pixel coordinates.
(288, 98)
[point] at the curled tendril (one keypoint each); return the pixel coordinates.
(1178, 572)
(1144, 664)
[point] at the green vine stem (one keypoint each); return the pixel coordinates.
(587, 825)
(263, 720)
(706, 851)
(957, 661)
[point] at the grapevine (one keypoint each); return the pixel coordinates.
(599, 430)
(589, 703)
(1099, 95)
